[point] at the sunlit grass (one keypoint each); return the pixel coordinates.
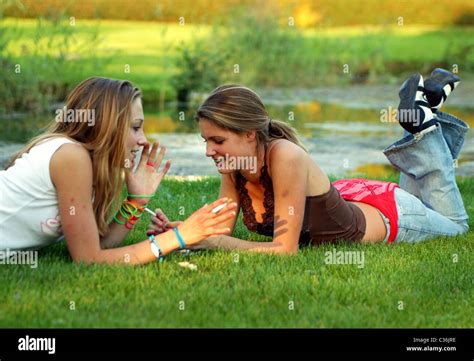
(132, 37)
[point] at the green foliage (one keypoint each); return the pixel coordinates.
(274, 54)
(19, 91)
(40, 70)
(200, 68)
(266, 53)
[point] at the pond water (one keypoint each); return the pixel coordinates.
(344, 129)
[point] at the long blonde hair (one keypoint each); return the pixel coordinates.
(111, 101)
(240, 109)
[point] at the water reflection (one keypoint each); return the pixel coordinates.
(343, 141)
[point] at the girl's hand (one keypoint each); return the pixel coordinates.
(160, 223)
(146, 179)
(203, 223)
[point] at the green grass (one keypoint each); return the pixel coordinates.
(253, 292)
(267, 57)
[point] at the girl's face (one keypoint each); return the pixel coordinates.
(136, 136)
(228, 149)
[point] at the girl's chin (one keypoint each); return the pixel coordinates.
(224, 170)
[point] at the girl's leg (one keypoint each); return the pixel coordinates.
(436, 90)
(425, 160)
(406, 182)
(454, 130)
(416, 222)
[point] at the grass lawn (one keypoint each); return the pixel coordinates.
(405, 285)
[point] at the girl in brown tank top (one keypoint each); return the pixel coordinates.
(327, 217)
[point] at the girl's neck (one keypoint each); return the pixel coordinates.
(254, 176)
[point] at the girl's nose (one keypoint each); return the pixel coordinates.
(142, 140)
(209, 151)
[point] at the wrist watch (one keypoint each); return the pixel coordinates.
(155, 248)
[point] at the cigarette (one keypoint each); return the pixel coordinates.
(150, 211)
(218, 208)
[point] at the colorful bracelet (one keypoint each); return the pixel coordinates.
(132, 204)
(141, 195)
(117, 220)
(180, 239)
(133, 209)
(131, 212)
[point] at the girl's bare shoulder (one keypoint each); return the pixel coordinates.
(282, 151)
(70, 158)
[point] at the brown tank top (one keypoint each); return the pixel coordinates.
(327, 217)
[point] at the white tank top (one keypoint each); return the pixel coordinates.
(29, 213)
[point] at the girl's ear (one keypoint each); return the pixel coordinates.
(251, 135)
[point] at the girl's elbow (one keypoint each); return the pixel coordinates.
(287, 249)
(291, 250)
(87, 258)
